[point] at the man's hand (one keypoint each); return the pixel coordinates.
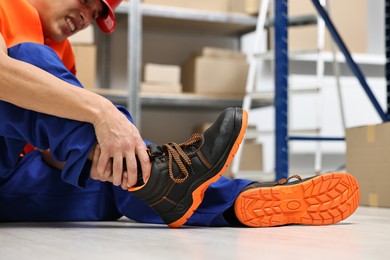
(118, 140)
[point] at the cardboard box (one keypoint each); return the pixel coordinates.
(209, 5)
(85, 57)
(250, 7)
(204, 75)
(251, 158)
(352, 28)
(150, 87)
(164, 74)
(367, 158)
(213, 52)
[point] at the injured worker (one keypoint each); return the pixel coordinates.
(68, 154)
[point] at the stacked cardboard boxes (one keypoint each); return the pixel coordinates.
(85, 56)
(215, 71)
(352, 28)
(159, 78)
(368, 159)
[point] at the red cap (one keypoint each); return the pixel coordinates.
(107, 21)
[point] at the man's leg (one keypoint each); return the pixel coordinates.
(68, 140)
(29, 188)
(34, 191)
(213, 211)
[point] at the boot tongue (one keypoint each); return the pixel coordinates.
(155, 150)
(190, 149)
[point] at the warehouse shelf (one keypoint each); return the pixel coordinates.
(146, 17)
(312, 56)
(360, 58)
(206, 21)
(298, 20)
(195, 20)
(157, 17)
(282, 58)
(183, 100)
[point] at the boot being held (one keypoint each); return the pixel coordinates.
(182, 172)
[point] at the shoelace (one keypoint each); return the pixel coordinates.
(285, 180)
(175, 152)
(270, 184)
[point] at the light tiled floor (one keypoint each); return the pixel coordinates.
(365, 235)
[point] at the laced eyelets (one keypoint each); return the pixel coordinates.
(175, 153)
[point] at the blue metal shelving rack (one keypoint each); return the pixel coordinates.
(281, 89)
(387, 45)
(281, 80)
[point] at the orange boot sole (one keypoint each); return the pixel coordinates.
(322, 200)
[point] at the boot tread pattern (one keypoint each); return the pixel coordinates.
(322, 200)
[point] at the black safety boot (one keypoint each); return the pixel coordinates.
(182, 172)
(321, 200)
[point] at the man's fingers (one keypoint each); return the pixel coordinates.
(117, 169)
(132, 171)
(94, 174)
(124, 180)
(102, 162)
(144, 161)
(129, 180)
(107, 174)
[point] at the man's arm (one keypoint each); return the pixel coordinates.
(29, 87)
(21, 81)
